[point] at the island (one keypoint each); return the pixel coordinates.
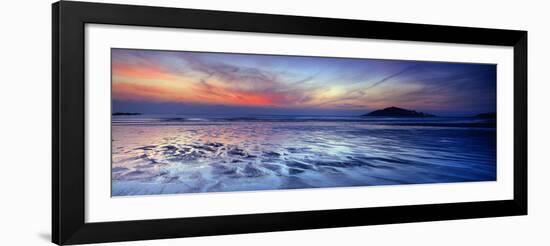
(124, 113)
(486, 116)
(397, 112)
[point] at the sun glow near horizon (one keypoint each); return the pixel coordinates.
(316, 83)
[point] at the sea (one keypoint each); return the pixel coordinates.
(178, 154)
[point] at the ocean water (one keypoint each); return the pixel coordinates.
(171, 154)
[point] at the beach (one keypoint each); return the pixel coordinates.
(175, 154)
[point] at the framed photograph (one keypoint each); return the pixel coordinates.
(175, 122)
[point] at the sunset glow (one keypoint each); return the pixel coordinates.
(197, 122)
(312, 84)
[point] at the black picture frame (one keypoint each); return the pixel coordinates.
(68, 107)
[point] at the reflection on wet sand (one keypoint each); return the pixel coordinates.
(263, 155)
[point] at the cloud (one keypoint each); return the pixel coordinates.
(324, 83)
(391, 76)
(214, 81)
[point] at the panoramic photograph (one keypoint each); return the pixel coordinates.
(197, 122)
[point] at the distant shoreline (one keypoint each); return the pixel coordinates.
(398, 112)
(125, 113)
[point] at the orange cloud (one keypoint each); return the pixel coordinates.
(142, 72)
(126, 91)
(193, 94)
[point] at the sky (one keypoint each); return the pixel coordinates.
(182, 82)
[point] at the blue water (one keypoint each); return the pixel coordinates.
(170, 154)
